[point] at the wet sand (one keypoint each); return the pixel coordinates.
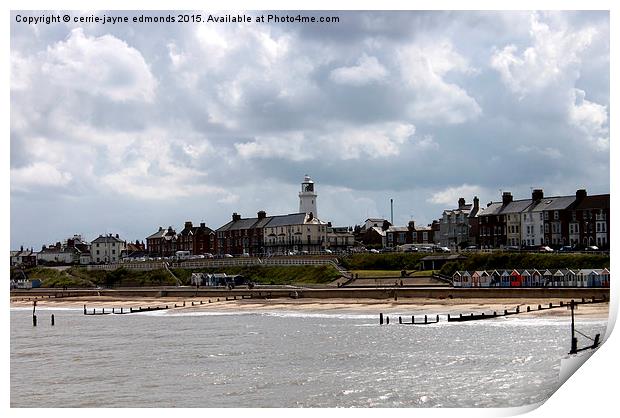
(412, 306)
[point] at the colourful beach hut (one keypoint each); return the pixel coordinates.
(515, 279)
(496, 279)
(547, 278)
(594, 279)
(506, 278)
(526, 278)
(604, 278)
(537, 279)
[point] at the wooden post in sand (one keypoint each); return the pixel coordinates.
(400, 320)
(52, 319)
(380, 317)
(84, 309)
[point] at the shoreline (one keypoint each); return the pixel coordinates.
(411, 306)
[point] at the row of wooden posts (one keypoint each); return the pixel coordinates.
(123, 311)
(475, 317)
(43, 297)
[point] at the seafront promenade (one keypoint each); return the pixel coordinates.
(388, 292)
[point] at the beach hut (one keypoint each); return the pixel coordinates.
(506, 278)
(476, 278)
(466, 279)
(558, 278)
(485, 279)
(547, 278)
(569, 278)
(604, 278)
(515, 279)
(456, 279)
(594, 279)
(496, 279)
(526, 278)
(582, 277)
(536, 278)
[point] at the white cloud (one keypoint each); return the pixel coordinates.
(104, 66)
(38, 174)
(451, 195)
(554, 55)
(341, 143)
(590, 118)
(367, 70)
(424, 68)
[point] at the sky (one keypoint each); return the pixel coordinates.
(124, 128)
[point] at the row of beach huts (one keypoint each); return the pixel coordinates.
(532, 278)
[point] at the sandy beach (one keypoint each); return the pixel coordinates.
(412, 306)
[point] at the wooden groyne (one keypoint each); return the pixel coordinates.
(130, 310)
(480, 316)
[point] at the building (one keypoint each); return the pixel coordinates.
(307, 197)
(454, 225)
(196, 239)
(340, 238)
(162, 243)
(588, 220)
(297, 232)
(23, 258)
(107, 249)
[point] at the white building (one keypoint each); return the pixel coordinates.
(107, 249)
(307, 197)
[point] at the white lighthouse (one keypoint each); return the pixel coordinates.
(307, 197)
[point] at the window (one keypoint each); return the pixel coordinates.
(546, 216)
(556, 215)
(541, 216)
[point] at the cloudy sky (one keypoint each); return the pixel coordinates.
(123, 128)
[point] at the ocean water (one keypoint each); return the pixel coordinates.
(283, 359)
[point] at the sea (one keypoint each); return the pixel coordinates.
(288, 359)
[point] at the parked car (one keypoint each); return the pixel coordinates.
(228, 256)
(471, 248)
(327, 251)
(591, 248)
(374, 251)
(442, 249)
(566, 248)
(545, 249)
(208, 255)
(511, 248)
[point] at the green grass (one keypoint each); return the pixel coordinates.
(121, 277)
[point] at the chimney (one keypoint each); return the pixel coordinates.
(21, 248)
(329, 224)
(461, 202)
(310, 216)
(476, 203)
(411, 225)
(116, 235)
(506, 198)
(161, 229)
(581, 194)
(261, 214)
(537, 194)
(236, 217)
(188, 224)
(202, 225)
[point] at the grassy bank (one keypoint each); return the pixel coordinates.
(81, 277)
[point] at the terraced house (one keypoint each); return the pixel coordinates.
(578, 221)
